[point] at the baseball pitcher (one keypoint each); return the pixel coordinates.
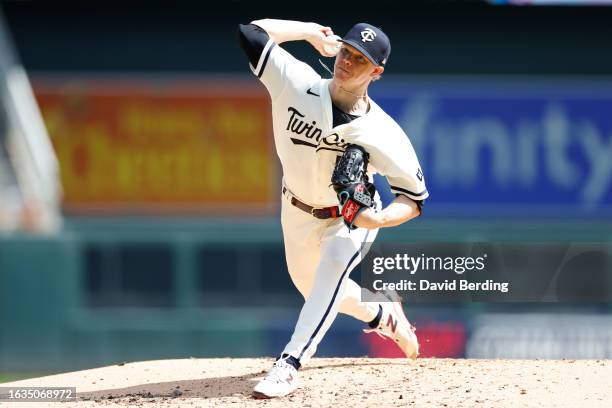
(331, 137)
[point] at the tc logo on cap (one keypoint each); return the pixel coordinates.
(368, 35)
(370, 40)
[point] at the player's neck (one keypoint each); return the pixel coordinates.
(353, 101)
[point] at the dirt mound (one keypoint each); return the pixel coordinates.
(341, 382)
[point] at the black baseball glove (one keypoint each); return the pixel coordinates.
(350, 181)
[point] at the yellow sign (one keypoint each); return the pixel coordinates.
(157, 147)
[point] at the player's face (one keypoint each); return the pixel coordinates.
(352, 66)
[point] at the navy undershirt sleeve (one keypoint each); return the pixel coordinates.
(253, 40)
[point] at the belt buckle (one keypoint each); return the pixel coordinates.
(312, 210)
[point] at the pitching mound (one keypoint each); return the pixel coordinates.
(342, 382)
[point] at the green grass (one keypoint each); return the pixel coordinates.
(9, 377)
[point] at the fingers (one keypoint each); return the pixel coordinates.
(326, 42)
(331, 45)
(327, 31)
(328, 52)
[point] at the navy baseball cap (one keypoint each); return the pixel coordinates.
(371, 41)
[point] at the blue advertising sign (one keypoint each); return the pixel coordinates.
(508, 146)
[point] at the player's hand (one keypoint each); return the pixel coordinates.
(323, 40)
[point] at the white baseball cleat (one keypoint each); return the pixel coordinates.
(395, 326)
(281, 380)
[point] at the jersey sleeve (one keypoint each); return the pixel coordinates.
(393, 156)
(403, 171)
(275, 67)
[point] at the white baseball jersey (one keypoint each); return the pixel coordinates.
(307, 143)
(321, 253)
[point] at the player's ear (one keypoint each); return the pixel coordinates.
(377, 71)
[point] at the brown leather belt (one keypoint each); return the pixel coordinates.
(320, 213)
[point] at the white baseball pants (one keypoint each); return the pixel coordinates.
(320, 256)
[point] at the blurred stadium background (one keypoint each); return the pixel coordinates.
(141, 222)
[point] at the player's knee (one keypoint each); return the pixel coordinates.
(334, 265)
(303, 286)
(304, 291)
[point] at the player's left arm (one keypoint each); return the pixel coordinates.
(401, 210)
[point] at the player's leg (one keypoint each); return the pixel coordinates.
(383, 316)
(340, 253)
(302, 240)
(352, 298)
(353, 305)
(302, 263)
(303, 253)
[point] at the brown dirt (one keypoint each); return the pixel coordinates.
(342, 382)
